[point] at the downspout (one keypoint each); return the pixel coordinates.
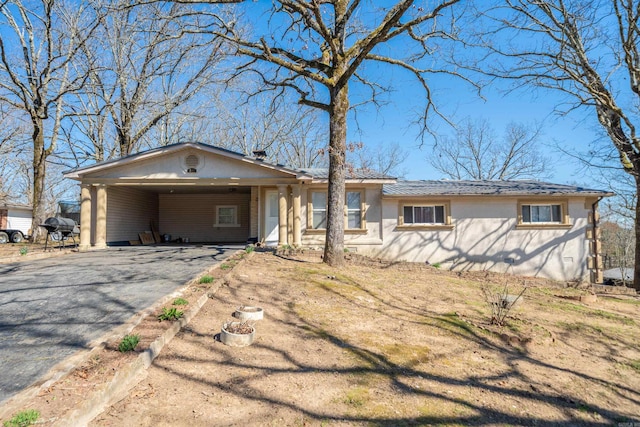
(596, 255)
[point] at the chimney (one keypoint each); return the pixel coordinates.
(260, 154)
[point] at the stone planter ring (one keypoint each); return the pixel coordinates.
(246, 312)
(229, 337)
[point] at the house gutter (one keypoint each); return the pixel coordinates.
(596, 255)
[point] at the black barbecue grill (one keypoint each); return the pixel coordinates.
(60, 230)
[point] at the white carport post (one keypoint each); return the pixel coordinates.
(282, 215)
(297, 234)
(85, 217)
(101, 216)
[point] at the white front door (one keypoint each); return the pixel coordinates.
(271, 218)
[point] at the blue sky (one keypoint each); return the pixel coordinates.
(392, 124)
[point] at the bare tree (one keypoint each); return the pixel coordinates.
(38, 41)
(143, 66)
(385, 159)
(588, 51)
(320, 49)
(476, 152)
(289, 135)
(617, 244)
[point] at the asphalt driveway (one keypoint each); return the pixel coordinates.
(51, 308)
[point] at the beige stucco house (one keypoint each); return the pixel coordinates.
(200, 193)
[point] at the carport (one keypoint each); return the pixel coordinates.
(189, 192)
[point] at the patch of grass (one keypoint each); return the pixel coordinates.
(24, 250)
(622, 300)
(128, 343)
(170, 314)
(436, 265)
(225, 266)
(405, 355)
(205, 279)
(180, 301)
(357, 397)
(23, 419)
(249, 249)
(635, 364)
(600, 313)
(579, 327)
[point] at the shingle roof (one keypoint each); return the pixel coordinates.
(323, 173)
(477, 188)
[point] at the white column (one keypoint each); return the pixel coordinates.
(101, 216)
(297, 233)
(282, 215)
(85, 217)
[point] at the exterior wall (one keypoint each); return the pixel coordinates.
(129, 211)
(193, 216)
(485, 237)
(19, 219)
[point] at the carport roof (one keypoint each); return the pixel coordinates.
(154, 152)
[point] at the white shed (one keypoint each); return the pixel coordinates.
(16, 217)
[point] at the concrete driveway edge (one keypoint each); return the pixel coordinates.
(129, 376)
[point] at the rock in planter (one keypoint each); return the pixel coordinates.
(237, 334)
(249, 313)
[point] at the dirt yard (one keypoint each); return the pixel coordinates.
(378, 344)
(20, 252)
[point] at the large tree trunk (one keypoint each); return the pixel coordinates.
(334, 241)
(39, 174)
(636, 269)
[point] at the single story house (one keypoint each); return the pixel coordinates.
(202, 193)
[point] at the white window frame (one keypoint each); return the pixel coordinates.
(235, 216)
(434, 206)
(564, 221)
(315, 209)
(359, 210)
(544, 205)
(446, 223)
(362, 209)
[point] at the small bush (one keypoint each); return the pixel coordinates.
(249, 249)
(170, 314)
(500, 303)
(23, 419)
(225, 266)
(128, 343)
(436, 265)
(24, 250)
(180, 301)
(206, 279)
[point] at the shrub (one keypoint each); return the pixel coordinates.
(206, 279)
(180, 301)
(170, 314)
(23, 419)
(249, 249)
(128, 343)
(24, 250)
(500, 303)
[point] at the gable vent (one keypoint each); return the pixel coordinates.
(192, 161)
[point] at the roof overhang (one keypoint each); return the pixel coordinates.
(81, 173)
